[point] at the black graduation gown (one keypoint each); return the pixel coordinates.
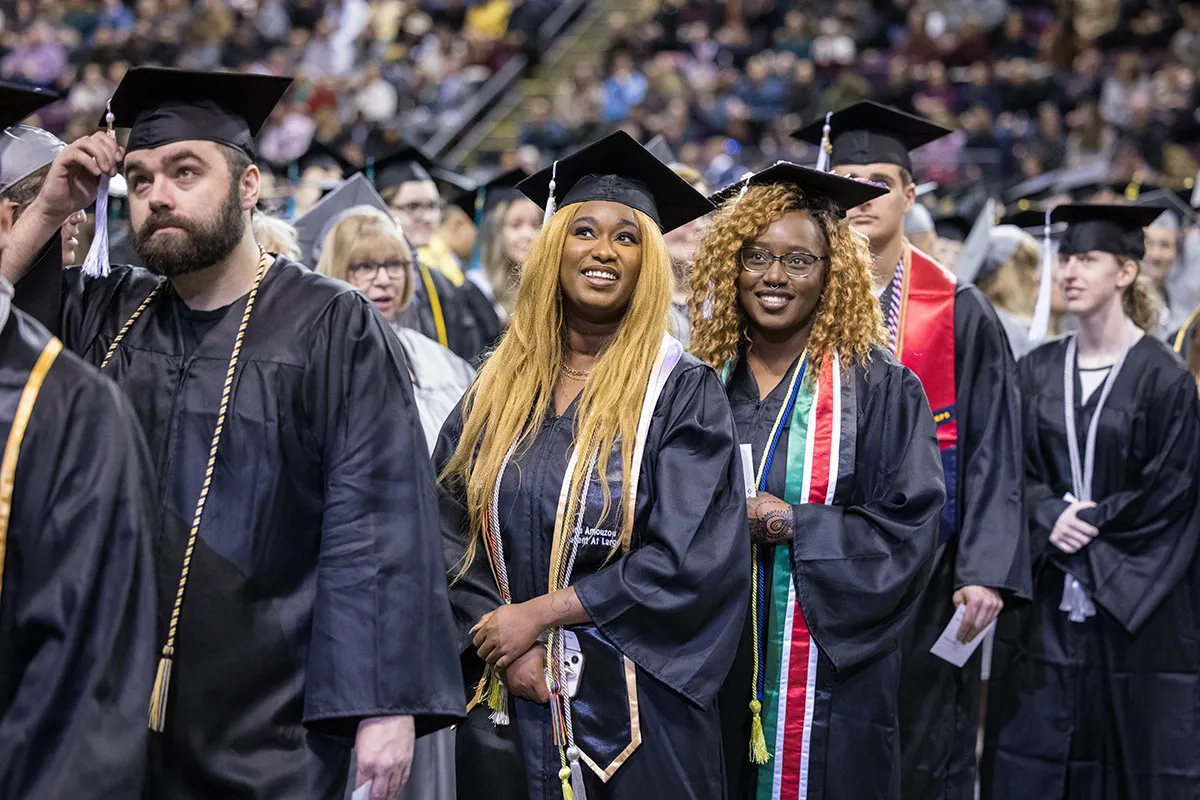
(463, 335)
(77, 609)
(316, 595)
(673, 605)
(1109, 708)
(860, 565)
(939, 703)
(37, 294)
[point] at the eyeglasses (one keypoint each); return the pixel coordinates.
(797, 264)
(365, 271)
(428, 207)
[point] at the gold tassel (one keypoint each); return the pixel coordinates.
(498, 693)
(758, 740)
(158, 698)
(564, 775)
(481, 688)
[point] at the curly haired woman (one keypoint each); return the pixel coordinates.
(848, 479)
(593, 511)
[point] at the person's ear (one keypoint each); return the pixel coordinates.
(250, 184)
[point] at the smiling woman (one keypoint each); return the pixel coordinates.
(844, 444)
(590, 456)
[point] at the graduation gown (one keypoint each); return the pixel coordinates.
(939, 703)
(665, 616)
(77, 607)
(858, 564)
(315, 596)
(1106, 709)
(462, 333)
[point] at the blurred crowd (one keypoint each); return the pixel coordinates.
(1030, 87)
(362, 67)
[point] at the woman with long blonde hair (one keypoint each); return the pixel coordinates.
(1087, 679)
(593, 511)
(847, 479)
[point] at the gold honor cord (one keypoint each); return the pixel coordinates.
(435, 305)
(162, 679)
(16, 434)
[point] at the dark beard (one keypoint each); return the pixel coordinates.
(200, 246)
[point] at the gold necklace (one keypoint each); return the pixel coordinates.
(579, 375)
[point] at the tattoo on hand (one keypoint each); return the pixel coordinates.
(773, 528)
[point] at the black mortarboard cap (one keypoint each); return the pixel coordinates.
(485, 196)
(619, 170)
(1026, 218)
(953, 227)
(349, 198)
(1115, 229)
(23, 149)
(871, 133)
(19, 102)
(321, 154)
(161, 106)
(410, 163)
(1172, 201)
(844, 193)
(1037, 188)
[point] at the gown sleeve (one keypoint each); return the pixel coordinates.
(1148, 533)
(1044, 505)
(676, 604)
(993, 545)
(382, 638)
(860, 568)
(79, 589)
(473, 591)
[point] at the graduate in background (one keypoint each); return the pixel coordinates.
(462, 316)
(593, 511)
(76, 582)
(1095, 688)
(298, 570)
(948, 334)
(849, 487)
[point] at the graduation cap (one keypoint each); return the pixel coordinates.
(409, 164)
(1115, 229)
(973, 258)
(478, 202)
(352, 197)
(954, 227)
(618, 169)
(325, 156)
(19, 102)
(869, 133)
(843, 193)
(1177, 210)
(1026, 218)
(23, 149)
(161, 106)
(1038, 188)
(659, 148)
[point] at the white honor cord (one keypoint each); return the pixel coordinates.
(1081, 474)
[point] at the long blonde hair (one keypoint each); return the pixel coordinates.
(503, 274)
(847, 322)
(515, 389)
(368, 227)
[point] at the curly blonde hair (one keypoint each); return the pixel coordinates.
(847, 322)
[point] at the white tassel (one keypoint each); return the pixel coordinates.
(577, 787)
(1040, 325)
(96, 264)
(551, 205)
(500, 715)
(826, 145)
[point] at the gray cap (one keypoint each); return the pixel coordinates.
(350, 198)
(23, 151)
(918, 220)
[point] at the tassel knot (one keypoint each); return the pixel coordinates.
(758, 740)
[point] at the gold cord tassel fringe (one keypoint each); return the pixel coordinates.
(564, 775)
(492, 692)
(758, 740)
(158, 698)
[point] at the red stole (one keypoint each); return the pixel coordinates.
(925, 344)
